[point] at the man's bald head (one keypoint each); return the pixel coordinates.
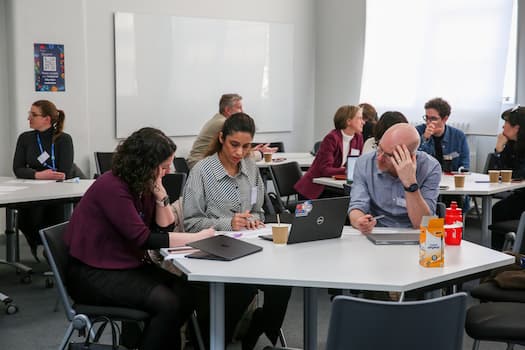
(402, 134)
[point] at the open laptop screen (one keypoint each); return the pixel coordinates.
(350, 167)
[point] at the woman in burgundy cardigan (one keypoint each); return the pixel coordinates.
(346, 139)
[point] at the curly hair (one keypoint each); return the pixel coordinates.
(516, 116)
(440, 105)
(138, 157)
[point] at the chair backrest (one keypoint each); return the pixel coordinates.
(490, 163)
(174, 184)
(278, 145)
(103, 161)
(180, 165)
(432, 324)
(316, 148)
(57, 254)
(519, 243)
(284, 177)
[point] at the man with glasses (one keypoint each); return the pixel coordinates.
(444, 142)
(396, 181)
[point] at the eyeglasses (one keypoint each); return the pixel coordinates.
(430, 119)
(515, 109)
(34, 115)
(381, 152)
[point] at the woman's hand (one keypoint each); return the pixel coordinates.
(158, 188)
(245, 220)
(49, 174)
(501, 141)
(209, 232)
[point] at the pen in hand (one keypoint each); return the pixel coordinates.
(376, 217)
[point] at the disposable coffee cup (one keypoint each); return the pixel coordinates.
(459, 180)
(280, 233)
(494, 175)
(506, 175)
(267, 157)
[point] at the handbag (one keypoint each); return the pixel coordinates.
(95, 345)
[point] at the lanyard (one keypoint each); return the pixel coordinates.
(52, 167)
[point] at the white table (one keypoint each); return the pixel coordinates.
(351, 262)
(15, 192)
(304, 159)
(472, 187)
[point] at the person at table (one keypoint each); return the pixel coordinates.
(229, 104)
(444, 142)
(386, 121)
(225, 190)
(510, 155)
(124, 213)
(396, 181)
(343, 141)
(44, 153)
(370, 119)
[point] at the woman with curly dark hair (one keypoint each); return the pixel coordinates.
(124, 213)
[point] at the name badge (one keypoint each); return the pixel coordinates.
(253, 197)
(43, 157)
(401, 202)
(354, 152)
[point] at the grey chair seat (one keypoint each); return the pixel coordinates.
(502, 322)
(117, 313)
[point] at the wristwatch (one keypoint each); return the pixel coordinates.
(412, 188)
(164, 201)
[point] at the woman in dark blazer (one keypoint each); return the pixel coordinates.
(345, 140)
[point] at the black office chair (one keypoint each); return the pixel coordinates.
(315, 149)
(278, 145)
(80, 316)
(103, 161)
(180, 165)
(284, 177)
(174, 185)
(497, 322)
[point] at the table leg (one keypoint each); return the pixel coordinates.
(12, 250)
(486, 219)
(310, 318)
(216, 316)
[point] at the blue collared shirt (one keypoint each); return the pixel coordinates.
(379, 193)
(210, 194)
(454, 140)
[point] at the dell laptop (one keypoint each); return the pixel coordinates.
(318, 219)
(222, 247)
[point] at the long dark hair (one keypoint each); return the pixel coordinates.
(236, 122)
(516, 116)
(387, 119)
(57, 116)
(138, 157)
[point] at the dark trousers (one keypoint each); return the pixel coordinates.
(237, 297)
(32, 219)
(165, 297)
(509, 208)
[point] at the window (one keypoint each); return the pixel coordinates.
(455, 49)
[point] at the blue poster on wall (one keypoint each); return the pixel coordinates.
(49, 67)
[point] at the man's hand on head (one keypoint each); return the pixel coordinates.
(405, 164)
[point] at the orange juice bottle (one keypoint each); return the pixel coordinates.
(431, 245)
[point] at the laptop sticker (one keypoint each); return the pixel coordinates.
(303, 209)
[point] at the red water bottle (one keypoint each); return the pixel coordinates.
(453, 224)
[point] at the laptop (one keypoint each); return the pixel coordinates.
(222, 247)
(350, 167)
(317, 219)
(394, 238)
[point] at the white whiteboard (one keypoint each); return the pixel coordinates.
(171, 71)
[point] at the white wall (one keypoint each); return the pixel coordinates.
(87, 34)
(5, 152)
(340, 34)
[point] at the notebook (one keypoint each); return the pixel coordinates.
(317, 219)
(394, 238)
(222, 247)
